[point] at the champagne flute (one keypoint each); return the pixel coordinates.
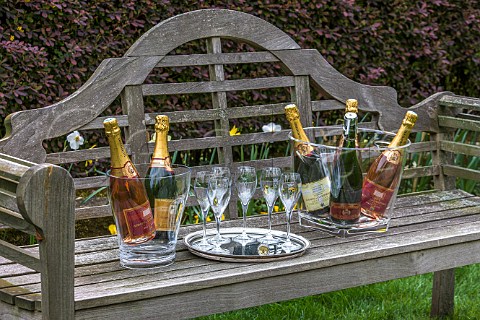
(218, 191)
(246, 183)
(269, 181)
(289, 190)
(200, 187)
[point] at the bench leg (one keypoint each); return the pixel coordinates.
(443, 293)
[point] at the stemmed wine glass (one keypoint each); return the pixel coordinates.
(200, 187)
(246, 183)
(219, 191)
(269, 181)
(289, 191)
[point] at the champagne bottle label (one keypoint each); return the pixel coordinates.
(164, 216)
(139, 220)
(345, 211)
(316, 195)
(375, 199)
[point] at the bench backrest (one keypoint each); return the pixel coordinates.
(301, 72)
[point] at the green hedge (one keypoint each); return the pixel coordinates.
(48, 49)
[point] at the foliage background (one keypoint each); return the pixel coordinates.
(49, 48)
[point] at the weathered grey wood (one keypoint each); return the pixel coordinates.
(202, 24)
(121, 291)
(452, 122)
(8, 201)
(26, 258)
(463, 148)
(8, 311)
(453, 101)
(422, 146)
(301, 96)
(219, 102)
(136, 132)
(15, 220)
(216, 58)
(463, 173)
(46, 199)
(217, 86)
(261, 291)
(425, 228)
(420, 172)
(443, 293)
(27, 128)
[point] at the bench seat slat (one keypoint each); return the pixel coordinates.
(293, 285)
(124, 290)
(318, 245)
(409, 229)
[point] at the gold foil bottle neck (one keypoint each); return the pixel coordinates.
(291, 112)
(162, 123)
(111, 126)
(351, 105)
(410, 119)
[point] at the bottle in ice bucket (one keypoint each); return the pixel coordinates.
(315, 182)
(129, 200)
(384, 174)
(346, 180)
(160, 180)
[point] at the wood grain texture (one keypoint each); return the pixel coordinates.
(27, 128)
(453, 101)
(460, 172)
(456, 123)
(200, 24)
(463, 148)
(46, 199)
(425, 228)
(443, 293)
(216, 58)
(136, 132)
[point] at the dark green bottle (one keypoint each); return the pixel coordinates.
(347, 179)
(315, 182)
(160, 182)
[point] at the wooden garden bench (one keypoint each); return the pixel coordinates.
(66, 278)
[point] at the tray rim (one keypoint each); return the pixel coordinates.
(237, 230)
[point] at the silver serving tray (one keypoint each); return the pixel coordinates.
(247, 252)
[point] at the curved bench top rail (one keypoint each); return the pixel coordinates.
(29, 128)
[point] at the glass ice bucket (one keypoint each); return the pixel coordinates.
(143, 243)
(347, 191)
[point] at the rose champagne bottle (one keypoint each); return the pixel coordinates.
(160, 181)
(383, 175)
(346, 186)
(130, 204)
(315, 182)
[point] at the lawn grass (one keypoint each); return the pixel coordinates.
(407, 298)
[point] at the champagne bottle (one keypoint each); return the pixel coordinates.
(383, 175)
(129, 199)
(160, 180)
(346, 188)
(315, 182)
